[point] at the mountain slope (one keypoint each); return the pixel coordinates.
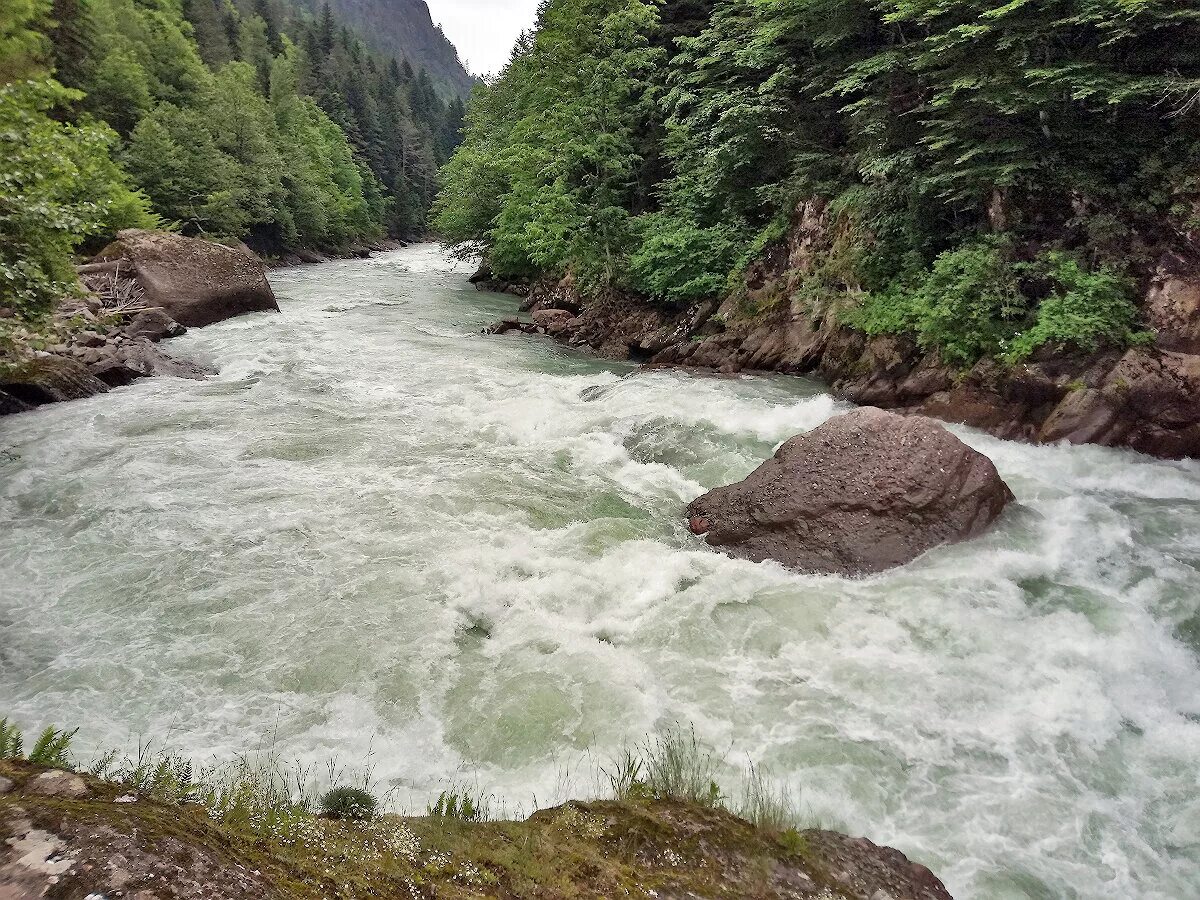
(404, 29)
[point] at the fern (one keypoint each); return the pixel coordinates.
(11, 742)
(51, 748)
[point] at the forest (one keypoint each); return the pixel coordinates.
(247, 120)
(1000, 175)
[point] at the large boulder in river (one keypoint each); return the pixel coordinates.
(195, 282)
(862, 493)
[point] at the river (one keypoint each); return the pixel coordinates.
(382, 536)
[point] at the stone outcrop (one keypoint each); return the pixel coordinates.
(865, 492)
(46, 379)
(112, 844)
(1142, 398)
(144, 288)
(195, 282)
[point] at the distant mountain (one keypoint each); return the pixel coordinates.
(404, 29)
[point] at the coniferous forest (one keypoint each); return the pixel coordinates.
(1000, 175)
(250, 120)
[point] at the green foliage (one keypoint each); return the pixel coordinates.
(548, 169)
(978, 301)
(1083, 309)
(22, 46)
(677, 261)
(669, 766)
(348, 804)
(964, 142)
(461, 804)
(12, 745)
(58, 185)
(52, 747)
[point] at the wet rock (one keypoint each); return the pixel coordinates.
(483, 273)
(141, 359)
(195, 282)
(863, 493)
(46, 379)
(554, 321)
(57, 783)
(512, 324)
(154, 325)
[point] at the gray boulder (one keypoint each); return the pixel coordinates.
(195, 282)
(863, 493)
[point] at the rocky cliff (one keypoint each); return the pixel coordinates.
(1146, 398)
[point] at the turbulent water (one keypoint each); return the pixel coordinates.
(380, 535)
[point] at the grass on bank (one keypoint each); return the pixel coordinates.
(659, 818)
(262, 788)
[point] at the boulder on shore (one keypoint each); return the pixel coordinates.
(865, 492)
(195, 282)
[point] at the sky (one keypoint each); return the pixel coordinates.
(484, 31)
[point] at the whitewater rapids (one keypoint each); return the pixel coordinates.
(381, 535)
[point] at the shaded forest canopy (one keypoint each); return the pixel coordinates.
(999, 176)
(247, 119)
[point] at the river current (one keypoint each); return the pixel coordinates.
(382, 536)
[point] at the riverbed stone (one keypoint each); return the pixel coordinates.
(194, 281)
(57, 783)
(863, 493)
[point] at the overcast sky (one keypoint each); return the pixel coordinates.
(483, 30)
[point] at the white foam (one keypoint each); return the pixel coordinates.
(382, 535)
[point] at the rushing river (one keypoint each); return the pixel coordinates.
(381, 535)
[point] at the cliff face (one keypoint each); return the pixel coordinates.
(405, 29)
(1146, 398)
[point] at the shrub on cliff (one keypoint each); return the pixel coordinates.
(978, 301)
(349, 804)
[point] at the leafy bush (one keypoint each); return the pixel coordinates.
(976, 301)
(1084, 309)
(349, 804)
(678, 261)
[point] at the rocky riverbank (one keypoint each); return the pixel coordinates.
(67, 835)
(143, 288)
(1146, 398)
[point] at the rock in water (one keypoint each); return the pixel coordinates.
(865, 492)
(195, 282)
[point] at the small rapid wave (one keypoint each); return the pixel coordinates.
(380, 535)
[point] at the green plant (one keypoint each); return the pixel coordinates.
(1083, 309)
(668, 766)
(459, 803)
(765, 804)
(51, 748)
(11, 741)
(349, 804)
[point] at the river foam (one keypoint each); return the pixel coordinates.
(381, 535)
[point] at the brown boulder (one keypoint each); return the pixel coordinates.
(864, 492)
(195, 282)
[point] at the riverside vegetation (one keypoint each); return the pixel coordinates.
(998, 178)
(253, 121)
(257, 828)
